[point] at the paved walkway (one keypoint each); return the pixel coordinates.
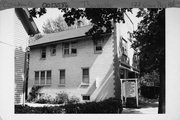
(147, 106)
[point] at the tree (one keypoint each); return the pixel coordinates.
(59, 24)
(53, 26)
(150, 37)
(99, 17)
(150, 34)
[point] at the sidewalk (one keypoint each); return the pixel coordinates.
(146, 106)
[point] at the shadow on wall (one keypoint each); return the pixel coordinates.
(19, 74)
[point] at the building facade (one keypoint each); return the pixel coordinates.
(73, 63)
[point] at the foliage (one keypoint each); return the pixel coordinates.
(111, 105)
(61, 98)
(150, 77)
(73, 100)
(57, 25)
(101, 18)
(150, 39)
(34, 93)
(44, 99)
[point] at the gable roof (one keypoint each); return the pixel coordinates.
(60, 36)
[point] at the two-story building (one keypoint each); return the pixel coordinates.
(71, 62)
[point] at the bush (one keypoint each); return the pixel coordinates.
(44, 99)
(73, 100)
(34, 93)
(61, 98)
(107, 106)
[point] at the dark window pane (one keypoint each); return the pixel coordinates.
(36, 77)
(62, 76)
(98, 48)
(73, 51)
(86, 97)
(42, 77)
(66, 51)
(53, 50)
(43, 52)
(85, 75)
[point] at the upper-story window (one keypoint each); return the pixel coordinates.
(69, 48)
(124, 47)
(43, 53)
(98, 47)
(53, 50)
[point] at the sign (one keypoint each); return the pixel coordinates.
(129, 92)
(130, 88)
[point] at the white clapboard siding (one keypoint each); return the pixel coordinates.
(20, 41)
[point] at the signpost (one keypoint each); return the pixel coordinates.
(129, 92)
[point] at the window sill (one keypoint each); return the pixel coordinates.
(61, 85)
(42, 85)
(53, 54)
(97, 52)
(84, 85)
(42, 58)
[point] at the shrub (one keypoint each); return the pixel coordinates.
(73, 100)
(61, 98)
(44, 99)
(107, 106)
(34, 93)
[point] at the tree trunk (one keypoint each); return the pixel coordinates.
(161, 108)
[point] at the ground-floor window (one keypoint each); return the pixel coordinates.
(85, 75)
(62, 77)
(42, 77)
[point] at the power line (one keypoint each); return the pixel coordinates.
(7, 44)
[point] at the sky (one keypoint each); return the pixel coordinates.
(53, 13)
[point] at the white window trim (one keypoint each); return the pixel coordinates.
(70, 47)
(62, 84)
(95, 45)
(39, 83)
(82, 83)
(51, 49)
(41, 53)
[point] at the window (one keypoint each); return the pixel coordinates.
(73, 48)
(53, 50)
(85, 75)
(43, 52)
(62, 77)
(69, 48)
(48, 79)
(85, 97)
(36, 77)
(42, 77)
(66, 48)
(98, 46)
(124, 47)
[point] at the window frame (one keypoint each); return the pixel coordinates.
(43, 48)
(62, 84)
(82, 81)
(96, 44)
(88, 96)
(71, 45)
(53, 47)
(40, 78)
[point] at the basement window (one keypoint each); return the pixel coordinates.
(85, 97)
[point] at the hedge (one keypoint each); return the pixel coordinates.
(107, 106)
